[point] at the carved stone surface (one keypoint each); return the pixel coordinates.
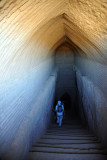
(95, 106)
(30, 31)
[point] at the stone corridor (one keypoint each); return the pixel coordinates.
(51, 50)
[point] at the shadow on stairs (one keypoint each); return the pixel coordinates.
(70, 142)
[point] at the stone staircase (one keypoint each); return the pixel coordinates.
(69, 142)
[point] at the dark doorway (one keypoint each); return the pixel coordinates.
(66, 99)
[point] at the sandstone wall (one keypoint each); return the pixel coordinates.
(26, 64)
(92, 81)
(18, 96)
(95, 71)
(34, 123)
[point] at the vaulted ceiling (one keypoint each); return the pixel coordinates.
(81, 23)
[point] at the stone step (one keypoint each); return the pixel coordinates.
(66, 141)
(69, 150)
(66, 128)
(69, 142)
(68, 134)
(68, 137)
(81, 146)
(63, 156)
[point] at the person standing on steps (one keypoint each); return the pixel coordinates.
(59, 112)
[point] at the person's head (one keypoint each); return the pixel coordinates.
(59, 102)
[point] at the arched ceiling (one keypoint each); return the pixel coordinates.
(81, 23)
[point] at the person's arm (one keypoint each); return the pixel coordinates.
(56, 108)
(63, 108)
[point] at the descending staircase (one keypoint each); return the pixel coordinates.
(70, 142)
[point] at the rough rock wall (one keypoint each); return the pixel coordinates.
(95, 71)
(34, 123)
(92, 83)
(25, 65)
(18, 95)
